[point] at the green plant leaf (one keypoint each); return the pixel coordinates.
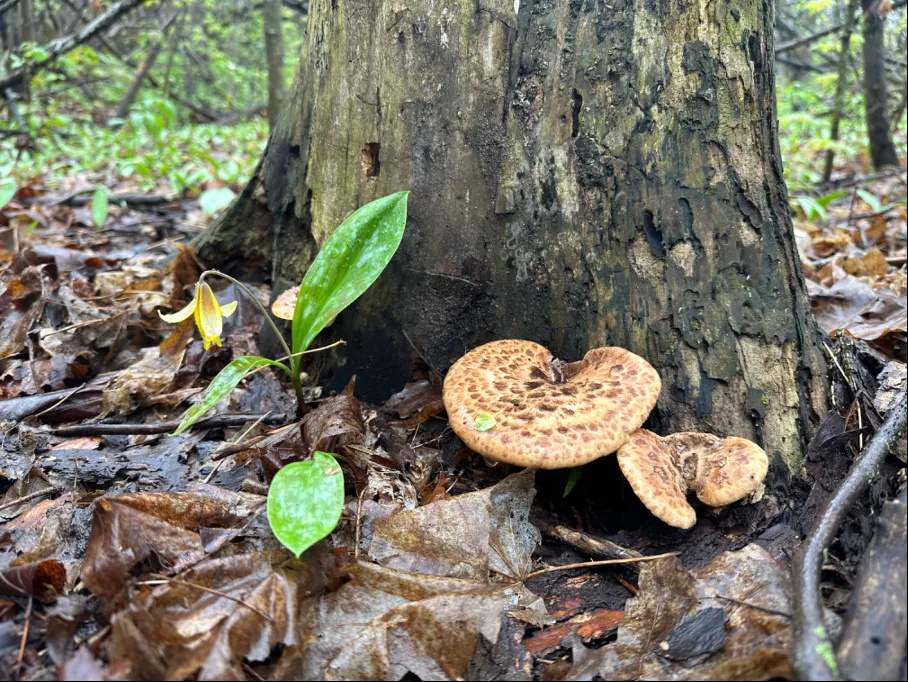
(7, 191)
(305, 500)
(213, 200)
(221, 385)
(484, 421)
(349, 262)
(99, 207)
(573, 478)
(872, 200)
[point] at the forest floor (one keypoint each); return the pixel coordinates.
(126, 553)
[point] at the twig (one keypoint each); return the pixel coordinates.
(25, 498)
(217, 421)
(249, 443)
(28, 616)
(587, 544)
(236, 440)
(755, 607)
(813, 656)
(210, 590)
(606, 562)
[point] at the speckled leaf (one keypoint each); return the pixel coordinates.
(484, 421)
(305, 500)
(223, 383)
(349, 262)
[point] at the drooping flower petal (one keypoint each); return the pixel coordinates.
(181, 315)
(227, 310)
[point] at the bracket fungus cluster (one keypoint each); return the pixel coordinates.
(512, 402)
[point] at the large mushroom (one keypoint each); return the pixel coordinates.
(511, 401)
(662, 470)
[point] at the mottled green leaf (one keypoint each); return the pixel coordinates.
(349, 262)
(99, 207)
(484, 421)
(223, 383)
(305, 500)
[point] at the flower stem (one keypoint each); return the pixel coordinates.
(295, 364)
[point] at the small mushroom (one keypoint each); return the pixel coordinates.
(662, 470)
(511, 401)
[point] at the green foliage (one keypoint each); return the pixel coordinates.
(305, 500)
(226, 380)
(573, 479)
(806, 98)
(7, 191)
(99, 206)
(813, 208)
(872, 200)
(213, 200)
(349, 262)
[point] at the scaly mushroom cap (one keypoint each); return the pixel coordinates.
(662, 470)
(545, 413)
(655, 472)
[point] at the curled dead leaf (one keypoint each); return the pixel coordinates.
(284, 304)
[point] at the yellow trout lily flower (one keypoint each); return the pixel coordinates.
(208, 313)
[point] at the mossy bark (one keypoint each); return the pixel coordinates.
(583, 174)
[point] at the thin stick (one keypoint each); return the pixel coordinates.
(28, 617)
(339, 342)
(26, 498)
(606, 562)
(813, 655)
(210, 590)
(755, 607)
(217, 421)
(239, 437)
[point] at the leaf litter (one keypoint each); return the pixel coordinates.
(154, 559)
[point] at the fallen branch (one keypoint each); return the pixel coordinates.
(873, 638)
(813, 656)
(217, 421)
(63, 45)
(84, 197)
(585, 543)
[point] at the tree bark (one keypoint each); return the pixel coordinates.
(882, 149)
(129, 97)
(582, 174)
(274, 51)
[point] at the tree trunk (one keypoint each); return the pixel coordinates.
(274, 51)
(130, 97)
(882, 149)
(582, 174)
(838, 107)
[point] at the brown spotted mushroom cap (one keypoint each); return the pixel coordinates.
(661, 470)
(547, 413)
